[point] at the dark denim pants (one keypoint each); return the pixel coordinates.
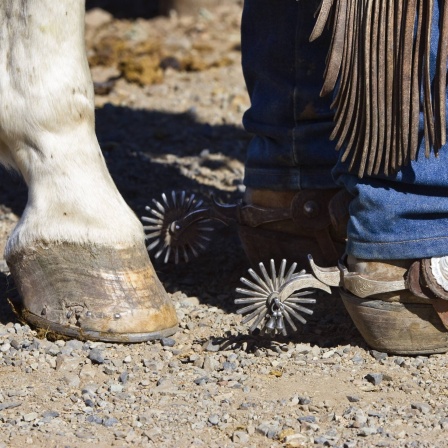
(398, 217)
(291, 124)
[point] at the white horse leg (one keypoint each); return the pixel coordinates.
(77, 255)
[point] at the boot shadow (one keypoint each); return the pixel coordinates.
(9, 299)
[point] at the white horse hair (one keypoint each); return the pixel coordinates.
(47, 130)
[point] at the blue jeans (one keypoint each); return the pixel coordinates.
(291, 124)
(404, 216)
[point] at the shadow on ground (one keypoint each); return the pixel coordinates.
(130, 9)
(8, 296)
(131, 141)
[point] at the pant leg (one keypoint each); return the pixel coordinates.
(291, 124)
(403, 216)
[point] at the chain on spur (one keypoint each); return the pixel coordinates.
(262, 302)
(167, 240)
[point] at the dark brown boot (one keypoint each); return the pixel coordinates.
(295, 224)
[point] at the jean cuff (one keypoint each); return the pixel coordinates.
(399, 250)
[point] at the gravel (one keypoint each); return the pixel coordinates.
(141, 392)
(211, 384)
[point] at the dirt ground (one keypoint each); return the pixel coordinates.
(170, 97)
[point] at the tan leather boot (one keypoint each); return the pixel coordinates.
(394, 306)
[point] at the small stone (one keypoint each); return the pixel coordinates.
(49, 415)
(123, 378)
(302, 349)
(379, 356)
(424, 408)
(5, 347)
(268, 430)
(328, 354)
(53, 350)
(245, 406)
(110, 370)
(294, 439)
(66, 350)
(94, 419)
(164, 381)
(210, 364)
(16, 344)
(211, 346)
(72, 380)
(360, 419)
(31, 416)
(96, 356)
(128, 359)
(74, 344)
(90, 389)
(304, 400)
(357, 359)
(367, 431)
(228, 366)
(201, 381)
(213, 419)
(87, 372)
(168, 342)
(9, 405)
(190, 302)
(332, 434)
(353, 398)
(240, 437)
(307, 419)
(108, 422)
(374, 378)
(199, 362)
(349, 444)
(193, 357)
(116, 388)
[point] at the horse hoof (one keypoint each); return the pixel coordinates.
(92, 292)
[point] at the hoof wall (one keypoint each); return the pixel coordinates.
(96, 293)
